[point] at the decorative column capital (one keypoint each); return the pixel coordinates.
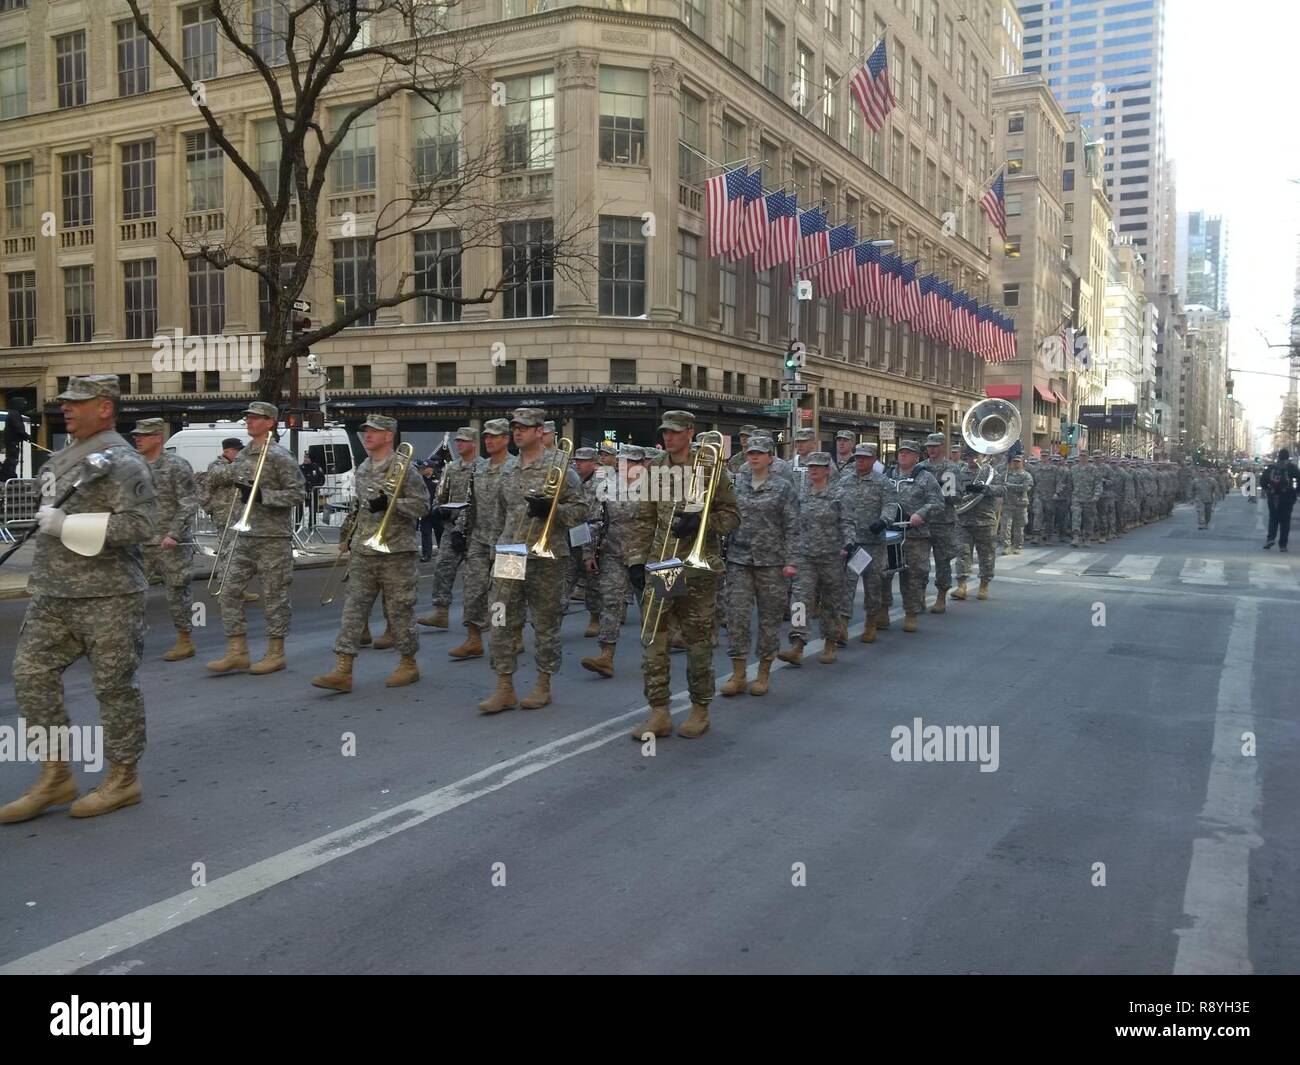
(576, 70)
(665, 78)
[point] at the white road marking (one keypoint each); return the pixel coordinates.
(1216, 898)
(1072, 564)
(1136, 567)
(1203, 571)
(1026, 556)
(1274, 576)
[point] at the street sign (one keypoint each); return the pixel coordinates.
(794, 387)
(302, 306)
(887, 430)
(782, 407)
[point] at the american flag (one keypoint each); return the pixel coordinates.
(870, 87)
(859, 292)
(838, 240)
(814, 237)
(753, 219)
(893, 279)
(945, 313)
(1008, 338)
(995, 206)
(724, 199)
(930, 314)
(911, 298)
(782, 229)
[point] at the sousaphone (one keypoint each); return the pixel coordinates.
(990, 427)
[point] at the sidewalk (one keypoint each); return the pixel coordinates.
(14, 573)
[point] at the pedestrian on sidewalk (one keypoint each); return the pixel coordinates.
(1281, 481)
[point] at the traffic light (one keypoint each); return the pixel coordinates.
(301, 323)
(1230, 386)
(940, 424)
(795, 357)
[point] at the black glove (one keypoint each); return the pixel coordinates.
(878, 526)
(686, 525)
(379, 504)
(246, 490)
(458, 542)
(538, 506)
(636, 574)
(849, 549)
(976, 487)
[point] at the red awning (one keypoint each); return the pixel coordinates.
(1002, 391)
(1062, 400)
(1045, 394)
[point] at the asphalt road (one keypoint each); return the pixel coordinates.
(1123, 830)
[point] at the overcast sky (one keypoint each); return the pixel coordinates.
(1231, 88)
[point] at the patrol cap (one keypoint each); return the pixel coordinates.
(1016, 458)
(381, 422)
(496, 426)
(91, 386)
(802, 436)
(818, 458)
(759, 443)
(746, 430)
(677, 420)
(910, 445)
(149, 427)
(232, 441)
(529, 417)
(548, 427)
(845, 434)
(634, 453)
(608, 447)
(585, 454)
(865, 451)
(262, 410)
(936, 438)
(467, 432)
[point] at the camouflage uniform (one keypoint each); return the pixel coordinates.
(757, 551)
(177, 502)
(217, 499)
(1127, 498)
(578, 565)
(1018, 483)
(943, 529)
(91, 606)
(1044, 506)
(825, 525)
(541, 592)
(482, 536)
(267, 549)
(918, 494)
(1085, 491)
(864, 499)
(457, 477)
(1203, 495)
(977, 528)
(1064, 490)
(621, 544)
(393, 574)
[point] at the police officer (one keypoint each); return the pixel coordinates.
(921, 503)
(1019, 483)
(267, 549)
(457, 480)
(481, 533)
(393, 572)
(942, 528)
(171, 558)
(87, 589)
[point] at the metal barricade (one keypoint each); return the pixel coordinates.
(19, 502)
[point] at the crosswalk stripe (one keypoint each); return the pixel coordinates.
(1027, 555)
(1072, 564)
(1203, 571)
(1136, 567)
(1273, 575)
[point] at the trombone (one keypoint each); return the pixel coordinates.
(391, 487)
(244, 524)
(709, 455)
(552, 490)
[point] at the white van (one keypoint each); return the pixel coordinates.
(200, 444)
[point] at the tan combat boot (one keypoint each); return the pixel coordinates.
(735, 684)
(55, 786)
(759, 687)
(602, 663)
(504, 698)
(251, 597)
(941, 602)
(794, 655)
(273, 660)
(540, 695)
(407, 672)
(386, 640)
(120, 788)
(235, 658)
(960, 593)
(435, 620)
(659, 723)
(984, 590)
(366, 639)
(869, 630)
(882, 619)
(696, 723)
(909, 622)
(830, 651)
(182, 648)
(473, 645)
(339, 678)
(593, 627)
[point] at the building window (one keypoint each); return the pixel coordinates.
(688, 255)
(270, 28)
(702, 378)
(773, 55)
(1015, 160)
(622, 115)
(914, 84)
(203, 184)
(79, 303)
(70, 68)
(132, 59)
(417, 374)
(199, 42)
(13, 81)
(446, 374)
(728, 270)
(211, 380)
(20, 211)
(507, 373)
(932, 108)
(22, 309)
(1069, 212)
(138, 180)
(622, 267)
(207, 298)
(1016, 122)
(334, 377)
(436, 134)
(354, 161)
(528, 269)
(684, 380)
(1067, 180)
(536, 371)
(361, 377)
(763, 299)
(1011, 295)
(437, 269)
(689, 163)
(354, 278)
(622, 371)
(803, 76)
(1012, 248)
(78, 190)
(830, 114)
(726, 382)
(145, 381)
(736, 29)
(1012, 203)
(140, 278)
(733, 140)
(693, 14)
(189, 381)
(530, 122)
(289, 253)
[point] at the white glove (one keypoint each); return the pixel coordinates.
(50, 520)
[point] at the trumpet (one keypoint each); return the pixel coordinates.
(552, 490)
(392, 488)
(244, 524)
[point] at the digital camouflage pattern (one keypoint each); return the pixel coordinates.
(482, 540)
(282, 488)
(178, 503)
(1015, 507)
(865, 498)
(271, 559)
(825, 527)
(370, 575)
(1085, 491)
(765, 541)
(459, 479)
(943, 529)
(402, 535)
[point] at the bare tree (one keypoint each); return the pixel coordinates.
(380, 48)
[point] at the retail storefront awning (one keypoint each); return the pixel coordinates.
(1062, 400)
(1045, 394)
(1002, 391)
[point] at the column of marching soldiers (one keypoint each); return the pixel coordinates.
(782, 539)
